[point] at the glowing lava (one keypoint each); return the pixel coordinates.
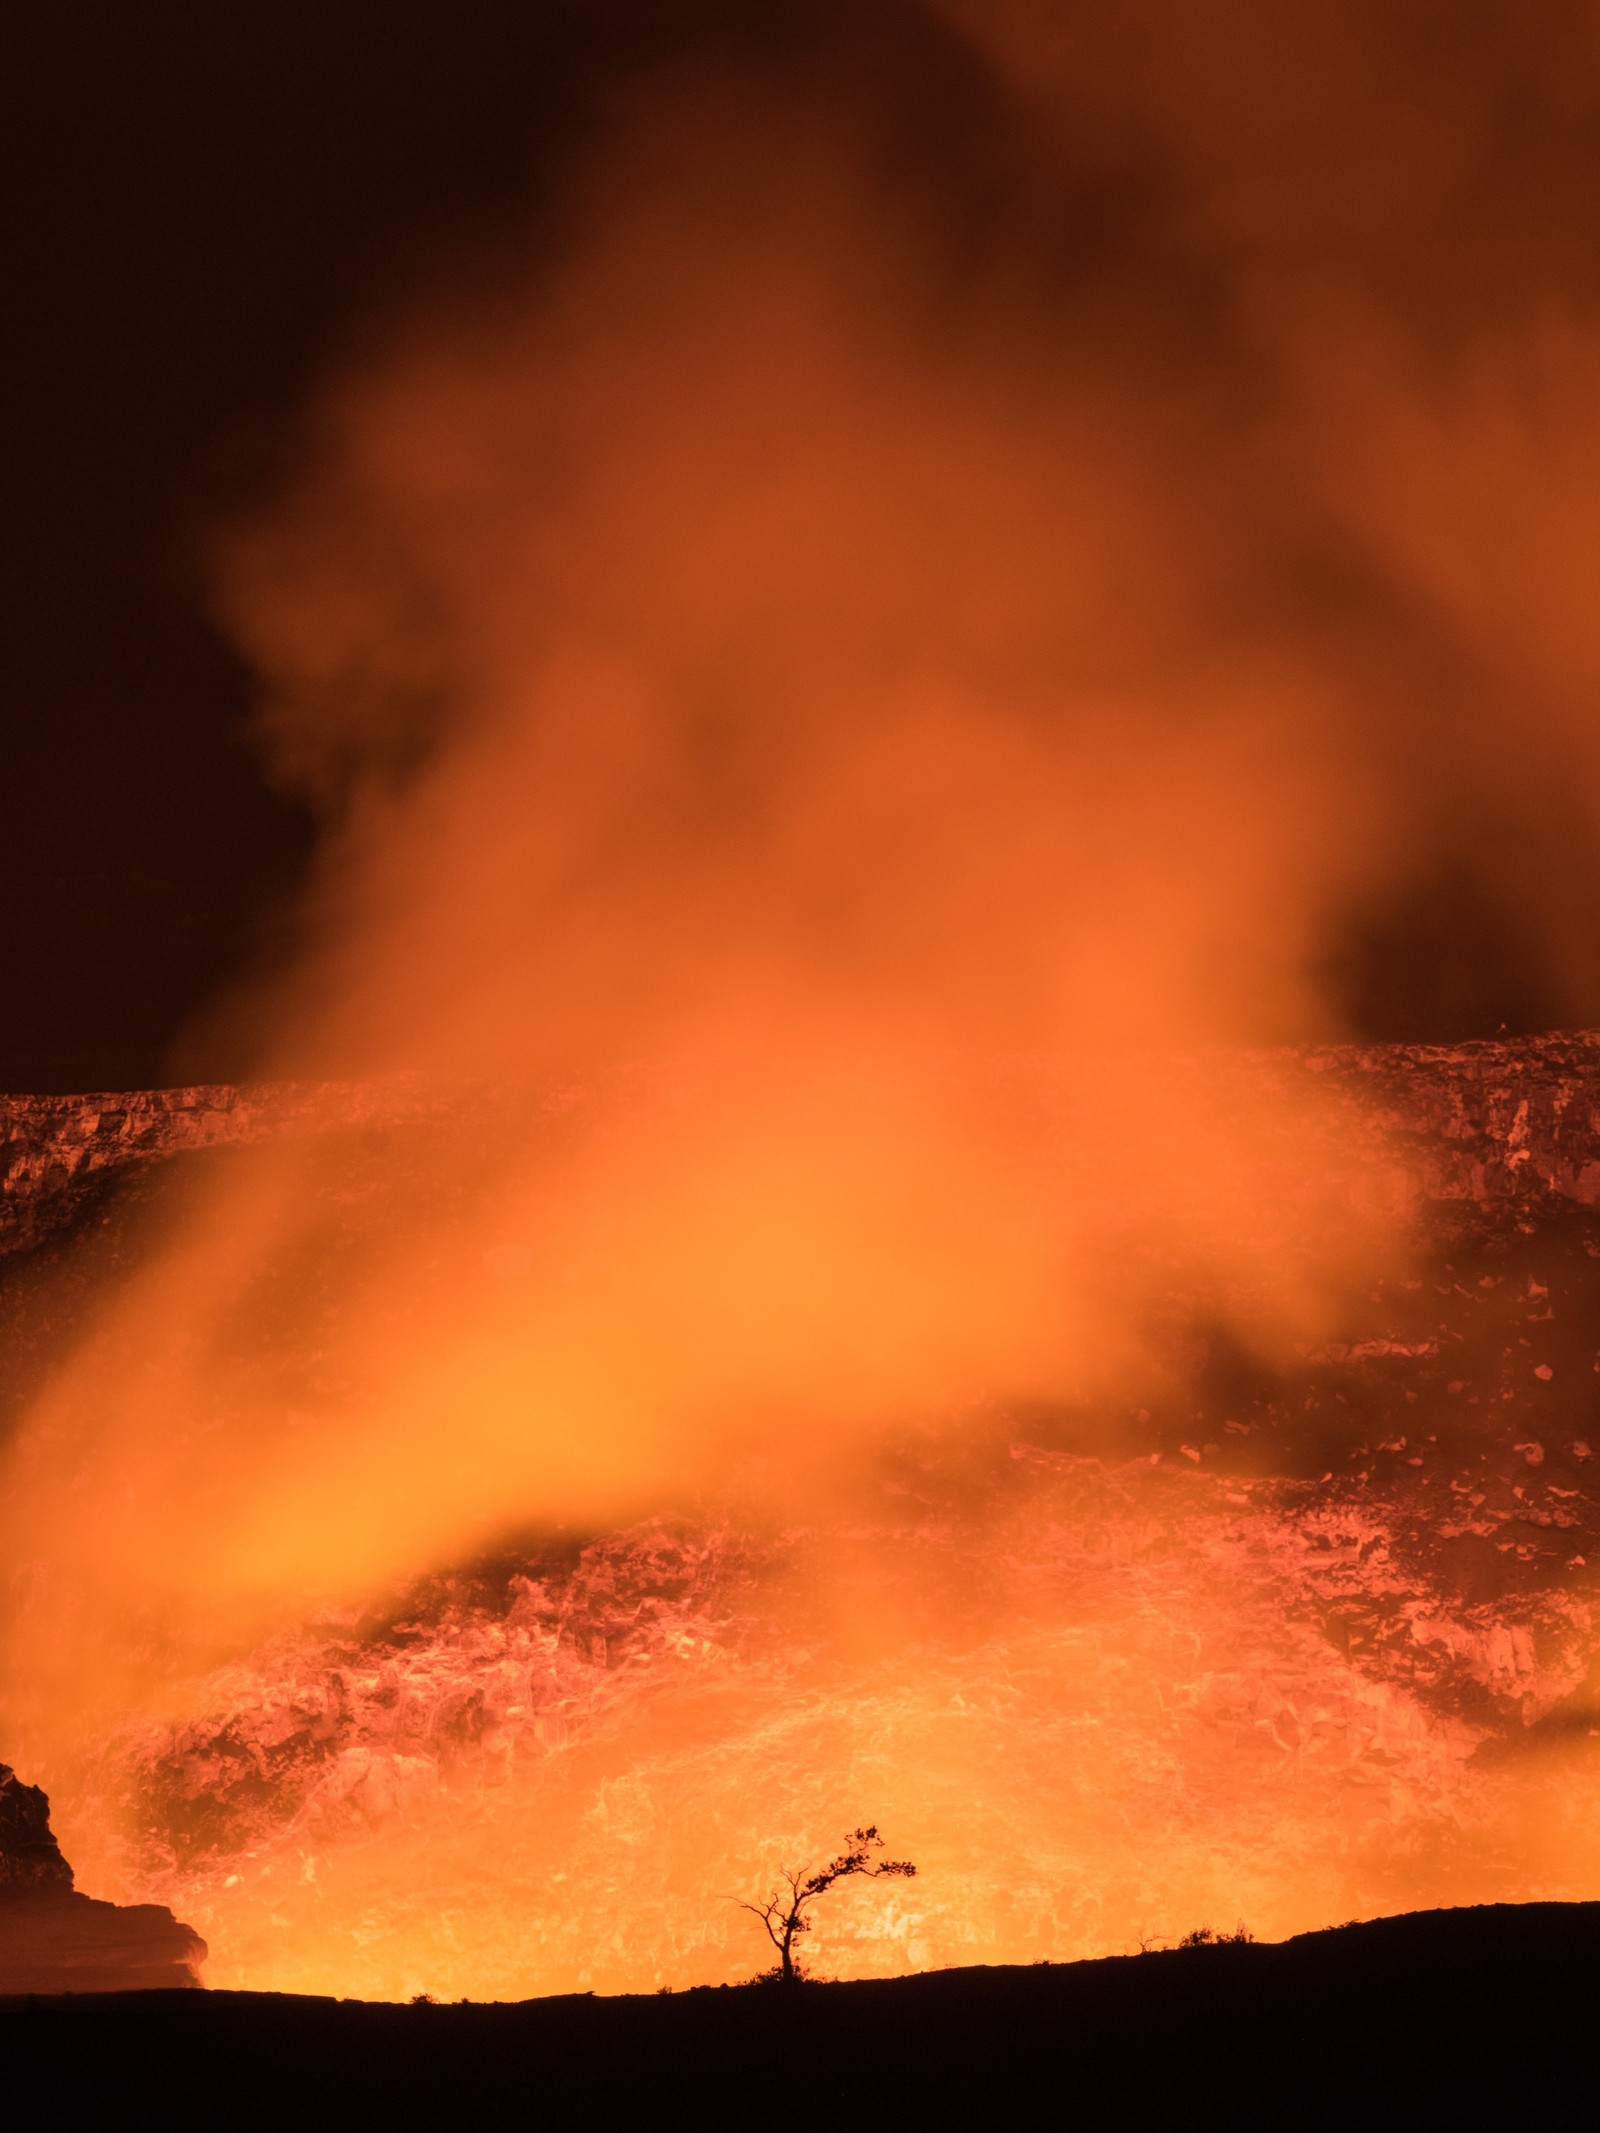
(861, 684)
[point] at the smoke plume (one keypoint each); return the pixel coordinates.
(917, 611)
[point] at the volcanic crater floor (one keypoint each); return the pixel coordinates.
(1294, 1643)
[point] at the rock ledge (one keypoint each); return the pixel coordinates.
(52, 1939)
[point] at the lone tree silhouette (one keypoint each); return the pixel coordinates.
(783, 1915)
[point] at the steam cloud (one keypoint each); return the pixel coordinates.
(945, 585)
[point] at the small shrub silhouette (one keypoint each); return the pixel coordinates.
(1203, 1937)
(783, 1915)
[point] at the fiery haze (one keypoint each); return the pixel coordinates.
(852, 671)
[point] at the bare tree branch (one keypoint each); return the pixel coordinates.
(785, 1924)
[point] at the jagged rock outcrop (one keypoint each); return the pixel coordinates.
(1498, 1120)
(56, 1150)
(52, 1939)
(30, 1858)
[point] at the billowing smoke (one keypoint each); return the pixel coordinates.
(1361, 231)
(847, 676)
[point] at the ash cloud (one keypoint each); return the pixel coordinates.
(1101, 354)
(1039, 536)
(1382, 215)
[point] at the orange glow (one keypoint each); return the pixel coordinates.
(823, 796)
(1105, 1714)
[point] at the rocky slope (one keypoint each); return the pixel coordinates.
(53, 1939)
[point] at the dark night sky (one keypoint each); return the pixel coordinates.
(197, 201)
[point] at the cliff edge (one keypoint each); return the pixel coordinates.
(53, 1939)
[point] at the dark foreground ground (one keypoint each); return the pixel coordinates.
(1470, 2017)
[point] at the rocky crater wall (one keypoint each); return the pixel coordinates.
(1490, 1123)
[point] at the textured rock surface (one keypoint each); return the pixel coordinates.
(55, 1151)
(1487, 1122)
(30, 1858)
